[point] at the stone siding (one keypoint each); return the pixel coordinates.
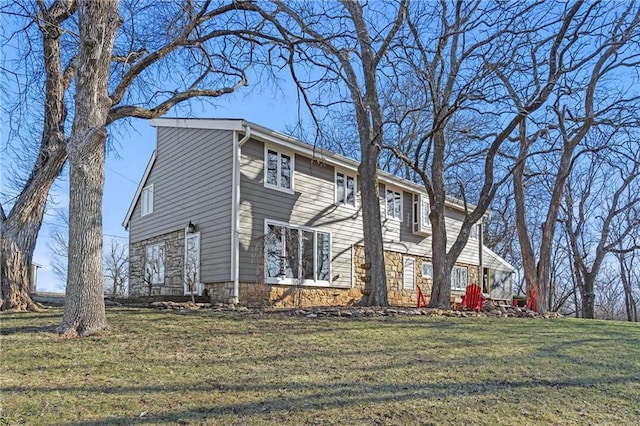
(173, 266)
(261, 294)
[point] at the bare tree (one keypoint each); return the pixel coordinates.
(116, 267)
(59, 247)
(582, 99)
(469, 82)
(345, 44)
(167, 53)
(600, 211)
(627, 276)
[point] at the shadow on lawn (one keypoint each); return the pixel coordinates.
(310, 397)
(28, 329)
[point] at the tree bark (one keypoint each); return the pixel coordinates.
(84, 311)
(629, 300)
(370, 127)
(20, 229)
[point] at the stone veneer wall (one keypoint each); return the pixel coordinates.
(261, 294)
(173, 266)
(397, 295)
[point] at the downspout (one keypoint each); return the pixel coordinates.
(235, 214)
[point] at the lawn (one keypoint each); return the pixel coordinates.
(205, 367)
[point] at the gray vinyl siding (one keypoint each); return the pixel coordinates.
(312, 204)
(399, 236)
(192, 178)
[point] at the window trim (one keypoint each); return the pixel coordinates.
(388, 188)
(346, 176)
(292, 167)
(198, 263)
(149, 189)
(474, 231)
(297, 281)
(160, 282)
(404, 275)
(466, 269)
(425, 276)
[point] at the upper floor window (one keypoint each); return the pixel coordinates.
(474, 231)
(278, 170)
(394, 204)
(154, 264)
(345, 189)
(459, 278)
(147, 200)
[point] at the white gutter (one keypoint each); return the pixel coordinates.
(235, 212)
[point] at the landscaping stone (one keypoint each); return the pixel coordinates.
(488, 310)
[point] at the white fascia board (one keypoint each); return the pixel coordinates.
(490, 253)
(141, 185)
(317, 154)
(199, 123)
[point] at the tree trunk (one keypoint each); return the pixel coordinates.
(588, 296)
(20, 229)
(84, 311)
(629, 300)
(373, 243)
(441, 288)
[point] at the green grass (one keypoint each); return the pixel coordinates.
(170, 367)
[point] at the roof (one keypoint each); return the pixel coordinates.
(262, 133)
(493, 260)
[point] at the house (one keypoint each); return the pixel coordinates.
(249, 215)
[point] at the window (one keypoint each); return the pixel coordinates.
(427, 270)
(154, 264)
(345, 190)
(147, 200)
(408, 273)
(473, 232)
(421, 223)
(459, 278)
(394, 204)
(191, 263)
(278, 170)
(294, 255)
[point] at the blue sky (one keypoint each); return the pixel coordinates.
(123, 171)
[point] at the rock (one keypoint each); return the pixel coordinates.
(311, 315)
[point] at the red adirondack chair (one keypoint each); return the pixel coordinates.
(531, 300)
(473, 298)
(422, 301)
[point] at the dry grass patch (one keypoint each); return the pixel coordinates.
(169, 367)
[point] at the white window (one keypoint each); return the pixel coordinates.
(459, 278)
(473, 232)
(147, 200)
(408, 273)
(154, 264)
(192, 263)
(427, 270)
(295, 255)
(345, 189)
(394, 204)
(278, 170)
